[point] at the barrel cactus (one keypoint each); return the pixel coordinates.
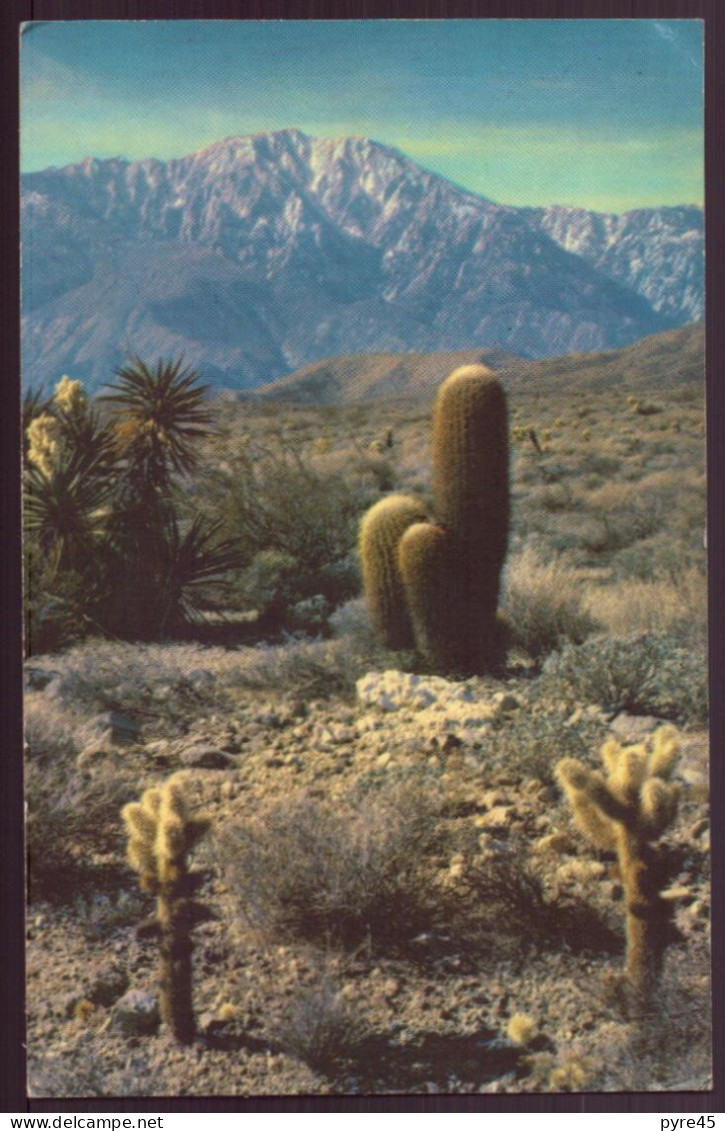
(442, 579)
(382, 528)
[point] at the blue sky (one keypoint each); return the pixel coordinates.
(603, 114)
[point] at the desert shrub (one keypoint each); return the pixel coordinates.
(360, 872)
(648, 674)
(502, 897)
(543, 604)
(531, 741)
(145, 680)
(296, 524)
(321, 1027)
(72, 823)
(675, 604)
(662, 556)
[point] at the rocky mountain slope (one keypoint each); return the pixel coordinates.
(258, 255)
(655, 251)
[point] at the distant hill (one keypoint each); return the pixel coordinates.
(375, 376)
(258, 255)
(665, 360)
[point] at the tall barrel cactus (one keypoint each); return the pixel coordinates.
(448, 571)
(624, 811)
(161, 833)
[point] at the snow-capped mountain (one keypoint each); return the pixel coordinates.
(260, 254)
(658, 252)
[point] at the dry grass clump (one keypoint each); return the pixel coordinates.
(543, 604)
(358, 872)
(676, 605)
(321, 1027)
(72, 832)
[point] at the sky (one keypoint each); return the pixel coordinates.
(601, 114)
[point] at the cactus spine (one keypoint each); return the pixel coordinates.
(381, 530)
(161, 833)
(624, 811)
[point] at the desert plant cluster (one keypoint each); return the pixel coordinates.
(283, 837)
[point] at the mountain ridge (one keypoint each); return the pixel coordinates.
(257, 255)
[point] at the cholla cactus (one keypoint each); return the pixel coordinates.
(624, 810)
(161, 833)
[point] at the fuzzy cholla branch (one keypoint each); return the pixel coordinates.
(624, 810)
(161, 833)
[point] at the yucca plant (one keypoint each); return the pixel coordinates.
(105, 525)
(158, 415)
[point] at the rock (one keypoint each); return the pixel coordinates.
(500, 817)
(107, 985)
(204, 756)
(505, 702)
(634, 728)
(36, 679)
(554, 844)
(136, 1014)
(697, 780)
(116, 728)
(201, 679)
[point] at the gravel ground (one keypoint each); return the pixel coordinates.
(432, 1015)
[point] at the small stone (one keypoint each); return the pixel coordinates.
(505, 702)
(554, 843)
(116, 728)
(391, 988)
(204, 756)
(633, 728)
(136, 1014)
(499, 817)
(36, 679)
(108, 985)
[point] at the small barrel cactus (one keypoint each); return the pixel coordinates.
(382, 528)
(429, 558)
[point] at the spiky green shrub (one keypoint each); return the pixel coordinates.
(295, 523)
(109, 545)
